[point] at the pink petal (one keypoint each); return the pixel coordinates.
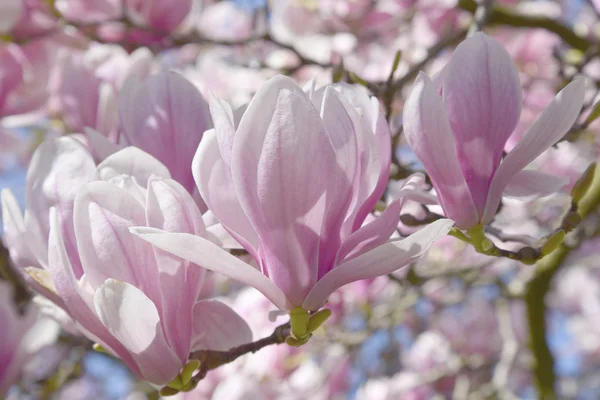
(528, 184)
(371, 235)
(482, 95)
(58, 168)
(10, 14)
(411, 189)
(133, 162)
(103, 215)
(171, 208)
(552, 124)
(71, 294)
(380, 157)
(279, 156)
(133, 320)
(213, 178)
(25, 248)
(218, 327)
(222, 117)
(208, 255)
(382, 260)
(100, 145)
(428, 133)
(339, 126)
(166, 117)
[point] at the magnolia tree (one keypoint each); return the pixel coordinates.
(335, 199)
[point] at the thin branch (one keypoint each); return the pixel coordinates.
(211, 359)
(481, 16)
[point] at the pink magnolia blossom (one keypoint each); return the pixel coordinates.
(458, 127)
(139, 303)
(160, 15)
(165, 115)
(85, 86)
(293, 182)
(23, 76)
(12, 354)
(22, 334)
(58, 168)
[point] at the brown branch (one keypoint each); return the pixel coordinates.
(212, 359)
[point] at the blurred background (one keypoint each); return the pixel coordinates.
(454, 325)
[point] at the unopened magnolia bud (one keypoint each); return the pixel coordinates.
(528, 255)
(553, 242)
(582, 185)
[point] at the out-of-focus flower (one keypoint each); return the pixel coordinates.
(85, 86)
(58, 168)
(293, 182)
(160, 15)
(20, 336)
(458, 127)
(166, 116)
(10, 13)
(138, 302)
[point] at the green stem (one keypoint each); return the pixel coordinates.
(538, 288)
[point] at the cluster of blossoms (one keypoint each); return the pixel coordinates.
(209, 179)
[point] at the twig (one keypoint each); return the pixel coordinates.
(211, 359)
(481, 16)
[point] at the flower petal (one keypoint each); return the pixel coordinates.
(218, 327)
(74, 298)
(166, 117)
(170, 207)
(371, 235)
(428, 133)
(279, 154)
(208, 255)
(382, 260)
(100, 145)
(528, 184)
(215, 185)
(58, 168)
(25, 249)
(103, 215)
(134, 162)
(551, 125)
(482, 95)
(133, 320)
(10, 11)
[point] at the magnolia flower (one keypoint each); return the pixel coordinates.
(293, 182)
(139, 303)
(85, 85)
(21, 335)
(458, 126)
(160, 15)
(10, 13)
(58, 168)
